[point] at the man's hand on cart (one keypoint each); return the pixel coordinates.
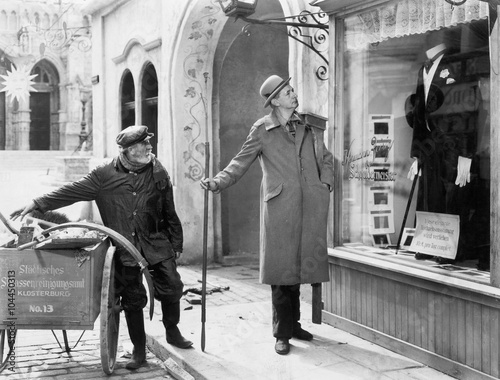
(23, 211)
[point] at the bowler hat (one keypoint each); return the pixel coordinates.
(271, 87)
(133, 135)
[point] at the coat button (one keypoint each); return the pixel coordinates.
(134, 193)
(133, 233)
(135, 213)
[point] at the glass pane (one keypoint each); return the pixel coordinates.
(395, 113)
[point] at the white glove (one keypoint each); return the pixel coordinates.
(463, 171)
(413, 170)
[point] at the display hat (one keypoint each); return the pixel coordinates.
(271, 87)
(133, 135)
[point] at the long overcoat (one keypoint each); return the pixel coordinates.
(294, 198)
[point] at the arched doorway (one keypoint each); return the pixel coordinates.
(242, 63)
(149, 97)
(127, 99)
(44, 104)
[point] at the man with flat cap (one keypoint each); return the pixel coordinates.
(134, 196)
(295, 192)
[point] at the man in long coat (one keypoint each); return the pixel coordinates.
(294, 197)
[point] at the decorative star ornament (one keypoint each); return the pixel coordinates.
(18, 83)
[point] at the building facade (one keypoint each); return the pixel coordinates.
(45, 64)
(192, 75)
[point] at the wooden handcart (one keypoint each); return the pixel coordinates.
(59, 285)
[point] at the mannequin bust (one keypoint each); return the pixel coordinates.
(432, 52)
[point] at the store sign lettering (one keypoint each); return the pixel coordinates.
(35, 286)
(367, 170)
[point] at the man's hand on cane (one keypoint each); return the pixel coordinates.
(209, 184)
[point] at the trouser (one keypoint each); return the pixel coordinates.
(167, 284)
(286, 310)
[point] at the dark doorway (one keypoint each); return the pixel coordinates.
(40, 121)
(242, 63)
(150, 103)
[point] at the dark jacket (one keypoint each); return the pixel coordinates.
(129, 203)
(444, 128)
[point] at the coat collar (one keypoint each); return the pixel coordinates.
(271, 121)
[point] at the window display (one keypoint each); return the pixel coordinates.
(416, 107)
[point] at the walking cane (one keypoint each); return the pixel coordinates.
(406, 211)
(204, 265)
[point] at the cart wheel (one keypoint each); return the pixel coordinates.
(110, 314)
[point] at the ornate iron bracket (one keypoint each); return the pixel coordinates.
(310, 29)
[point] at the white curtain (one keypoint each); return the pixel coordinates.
(407, 17)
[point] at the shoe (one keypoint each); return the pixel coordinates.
(138, 359)
(282, 346)
(302, 334)
(175, 338)
(421, 256)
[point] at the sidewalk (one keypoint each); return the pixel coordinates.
(239, 342)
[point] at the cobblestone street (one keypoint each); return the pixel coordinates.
(38, 355)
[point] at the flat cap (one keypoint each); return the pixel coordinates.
(133, 135)
(272, 87)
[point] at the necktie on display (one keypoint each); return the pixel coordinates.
(428, 64)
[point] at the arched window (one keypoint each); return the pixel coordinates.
(149, 98)
(13, 21)
(25, 19)
(127, 100)
(37, 21)
(46, 21)
(55, 21)
(3, 20)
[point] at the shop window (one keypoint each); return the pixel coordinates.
(395, 113)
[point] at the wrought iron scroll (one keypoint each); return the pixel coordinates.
(310, 29)
(315, 39)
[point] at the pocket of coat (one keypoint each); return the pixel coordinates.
(273, 193)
